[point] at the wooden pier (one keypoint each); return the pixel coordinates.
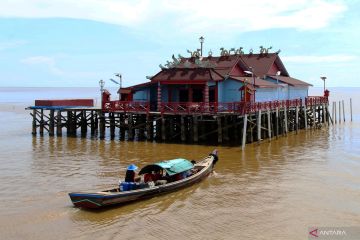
(200, 123)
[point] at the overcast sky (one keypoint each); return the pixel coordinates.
(76, 43)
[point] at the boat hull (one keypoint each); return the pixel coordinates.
(111, 197)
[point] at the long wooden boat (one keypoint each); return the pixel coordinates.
(200, 169)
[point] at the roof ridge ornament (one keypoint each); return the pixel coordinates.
(262, 50)
(224, 52)
(267, 49)
(239, 51)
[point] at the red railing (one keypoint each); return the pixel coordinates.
(234, 107)
(316, 100)
(126, 106)
(210, 108)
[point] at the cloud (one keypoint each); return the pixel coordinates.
(319, 59)
(186, 15)
(11, 44)
(48, 62)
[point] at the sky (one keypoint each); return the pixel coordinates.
(67, 43)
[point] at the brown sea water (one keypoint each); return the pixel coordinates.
(275, 190)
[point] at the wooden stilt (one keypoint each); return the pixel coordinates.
(343, 108)
(305, 117)
(92, 123)
(130, 127)
(220, 133)
(112, 125)
(58, 123)
(259, 126)
(52, 123)
(269, 124)
(42, 122)
(149, 126)
(34, 122)
(182, 127)
(350, 109)
(244, 131)
(324, 114)
(286, 120)
(225, 128)
(102, 125)
(339, 111)
(297, 119)
(195, 129)
(314, 116)
(277, 122)
(163, 129)
(334, 104)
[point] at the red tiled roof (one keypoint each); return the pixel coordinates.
(291, 81)
(187, 74)
(261, 63)
(258, 82)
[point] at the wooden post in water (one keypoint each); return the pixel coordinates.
(334, 104)
(33, 132)
(148, 127)
(220, 135)
(314, 116)
(269, 124)
(58, 123)
(92, 123)
(339, 111)
(277, 122)
(130, 127)
(225, 128)
(286, 120)
(244, 131)
(343, 108)
(112, 125)
(182, 127)
(42, 122)
(332, 112)
(51, 123)
(297, 119)
(350, 109)
(102, 125)
(259, 127)
(305, 117)
(163, 129)
(195, 129)
(324, 114)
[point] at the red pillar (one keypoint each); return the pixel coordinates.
(206, 96)
(206, 93)
(159, 97)
(190, 94)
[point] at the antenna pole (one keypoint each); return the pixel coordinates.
(120, 85)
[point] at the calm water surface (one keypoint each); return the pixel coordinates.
(275, 190)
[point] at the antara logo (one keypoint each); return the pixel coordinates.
(314, 233)
(318, 233)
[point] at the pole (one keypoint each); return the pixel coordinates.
(343, 108)
(277, 87)
(351, 109)
(244, 131)
(120, 76)
(339, 111)
(334, 104)
(254, 84)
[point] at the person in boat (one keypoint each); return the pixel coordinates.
(130, 175)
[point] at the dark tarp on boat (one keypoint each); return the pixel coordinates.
(172, 167)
